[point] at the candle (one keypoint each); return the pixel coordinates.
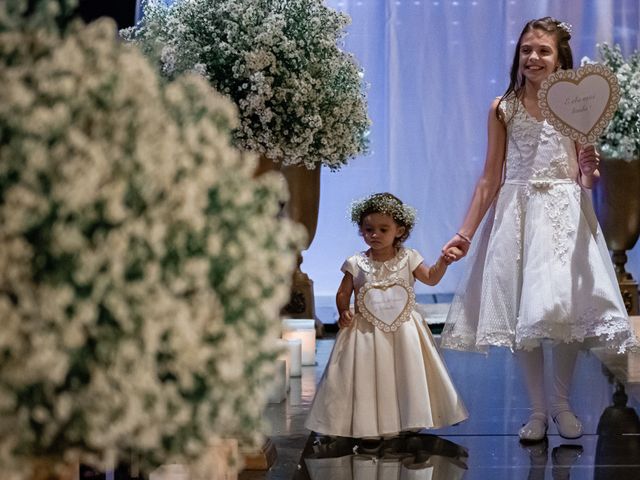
(278, 391)
(308, 341)
(303, 329)
(285, 357)
(295, 357)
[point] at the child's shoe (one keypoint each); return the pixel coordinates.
(569, 426)
(535, 429)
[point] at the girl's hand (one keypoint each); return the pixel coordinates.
(452, 254)
(461, 246)
(346, 319)
(588, 160)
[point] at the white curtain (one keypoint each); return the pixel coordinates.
(433, 67)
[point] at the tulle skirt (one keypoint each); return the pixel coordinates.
(539, 269)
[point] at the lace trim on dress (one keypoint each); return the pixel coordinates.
(464, 343)
(403, 315)
(507, 108)
(523, 131)
(557, 211)
(556, 205)
(609, 332)
(373, 267)
(518, 224)
(528, 125)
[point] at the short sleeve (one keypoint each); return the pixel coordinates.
(415, 259)
(350, 266)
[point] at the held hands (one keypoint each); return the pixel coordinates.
(588, 160)
(456, 248)
(451, 255)
(346, 318)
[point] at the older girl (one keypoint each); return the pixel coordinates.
(540, 268)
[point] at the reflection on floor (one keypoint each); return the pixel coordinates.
(606, 397)
(404, 457)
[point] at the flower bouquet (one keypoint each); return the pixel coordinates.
(300, 97)
(142, 267)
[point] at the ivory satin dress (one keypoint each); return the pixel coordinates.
(377, 382)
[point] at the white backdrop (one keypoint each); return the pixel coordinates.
(433, 67)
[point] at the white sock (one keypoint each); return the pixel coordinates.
(564, 361)
(532, 364)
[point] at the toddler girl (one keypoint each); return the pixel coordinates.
(385, 374)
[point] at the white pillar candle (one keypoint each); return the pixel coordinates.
(305, 330)
(278, 391)
(284, 345)
(308, 340)
(295, 357)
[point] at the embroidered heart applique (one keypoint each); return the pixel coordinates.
(386, 304)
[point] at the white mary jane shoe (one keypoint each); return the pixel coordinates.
(568, 425)
(535, 430)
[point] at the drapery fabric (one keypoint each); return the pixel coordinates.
(433, 67)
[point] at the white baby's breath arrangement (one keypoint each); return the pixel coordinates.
(300, 96)
(142, 268)
(621, 139)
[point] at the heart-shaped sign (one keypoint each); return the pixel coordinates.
(386, 304)
(580, 103)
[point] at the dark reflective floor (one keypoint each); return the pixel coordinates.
(416, 456)
(606, 397)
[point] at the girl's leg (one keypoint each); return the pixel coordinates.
(532, 364)
(564, 361)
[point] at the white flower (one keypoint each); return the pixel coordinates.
(301, 98)
(129, 225)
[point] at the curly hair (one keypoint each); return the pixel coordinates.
(387, 204)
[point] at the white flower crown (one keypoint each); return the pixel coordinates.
(386, 204)
(566, 27)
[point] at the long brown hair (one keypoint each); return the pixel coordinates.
(560, 32)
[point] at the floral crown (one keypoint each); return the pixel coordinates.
(384, 203)
(566, 27)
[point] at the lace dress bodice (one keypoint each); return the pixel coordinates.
(535, 150)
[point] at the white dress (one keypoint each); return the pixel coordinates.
(539, 268)
(377, 382)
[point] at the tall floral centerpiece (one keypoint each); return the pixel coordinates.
(142, 266)
(617, 194)
(300, 96)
